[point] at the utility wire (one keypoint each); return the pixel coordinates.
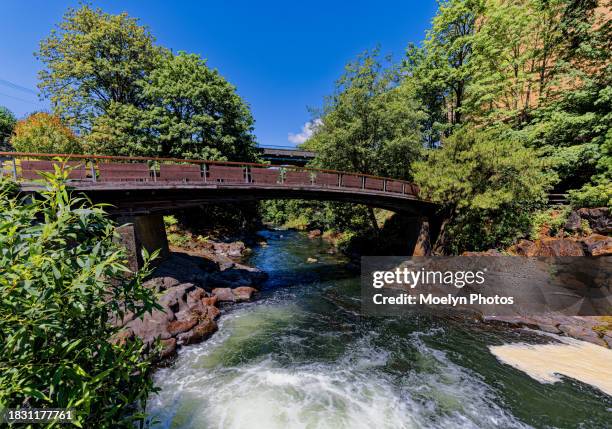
(20, 99)
(16, 86)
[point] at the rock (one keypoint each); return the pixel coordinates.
(223, 294)
(211, 313)
(582, 333)
(122, 337)
(150, 327)
(195, 295)
(423, 244)
(315, 233)
(548, 246)
(524, 248)
(239, 275)
(162, 283)
(233, 250)
(175, 299)
(490, 252)
(599, 219)
(200, 332)
(558, 247)
(178, 326)
(598, 245)
(168, 349)
(311, 260)
(573, 222)
(243, 293)
(210, 300)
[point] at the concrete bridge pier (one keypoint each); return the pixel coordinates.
(142, 232)
(423, 243)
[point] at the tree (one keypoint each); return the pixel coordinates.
(92, 60)
(44, 133)
(370, 124)
(63, 278)
(487, 185)
(441, 70)
(195, 113)
(7, 123)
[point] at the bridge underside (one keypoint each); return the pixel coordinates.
(142, 199)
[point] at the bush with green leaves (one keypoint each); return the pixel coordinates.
(63, 281)
(7, 123)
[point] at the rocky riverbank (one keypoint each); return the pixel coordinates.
(585, 233)
(194, 284)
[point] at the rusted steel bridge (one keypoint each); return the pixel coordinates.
(141, 185)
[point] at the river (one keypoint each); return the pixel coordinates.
(301, 356)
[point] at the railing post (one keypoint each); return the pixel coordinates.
(339, 180)
(205, 171)
(384, 185)
(282, 175)
(363, 179)
(403, 188)
(246, 174)
(15, 169)
(154, 173)
(92, 169)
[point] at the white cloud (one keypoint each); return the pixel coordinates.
(307, 131)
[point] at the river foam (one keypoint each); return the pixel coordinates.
(580, 360)
(216, 385)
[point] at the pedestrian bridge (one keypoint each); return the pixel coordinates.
(141, 185)
(140, 189)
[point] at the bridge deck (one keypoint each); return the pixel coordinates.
(144, 185)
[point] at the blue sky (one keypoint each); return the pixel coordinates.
(282, 56)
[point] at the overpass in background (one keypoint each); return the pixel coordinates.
(141, 189)
(285, 155)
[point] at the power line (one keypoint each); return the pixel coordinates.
(16, 86)
(20, 99)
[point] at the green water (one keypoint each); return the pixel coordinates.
(301, 356)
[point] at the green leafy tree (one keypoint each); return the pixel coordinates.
(44, 133)
(94, 59)
(487, 185)
(7, 123)
(195, 113)
(441, 70)
(63, 278)
(369, 125)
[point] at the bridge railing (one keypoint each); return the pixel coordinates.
(26, 167)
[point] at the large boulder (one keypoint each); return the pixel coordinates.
(599, 219)
(178, 326)
(548, 246)
(598, 245)
(199, 333)
(573, 222)
(223, 294)
(243, 293)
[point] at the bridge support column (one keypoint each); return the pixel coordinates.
(142, 232)
(423, 244)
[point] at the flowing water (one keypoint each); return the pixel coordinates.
(301, 356)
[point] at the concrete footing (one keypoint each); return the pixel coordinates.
(423, 244)
(142, 232)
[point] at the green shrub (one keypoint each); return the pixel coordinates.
(63, 280)
(552, 220)
(592, 195)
